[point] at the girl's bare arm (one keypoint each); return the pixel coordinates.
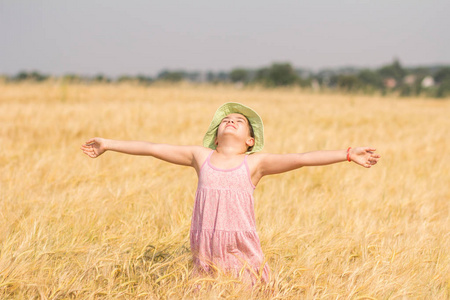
(180, 155)
(267, 164)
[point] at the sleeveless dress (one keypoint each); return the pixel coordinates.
(223, 233)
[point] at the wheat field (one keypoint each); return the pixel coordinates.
(117, 227)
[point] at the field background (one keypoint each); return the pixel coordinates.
(117, 227)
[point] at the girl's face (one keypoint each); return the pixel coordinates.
(238, 125)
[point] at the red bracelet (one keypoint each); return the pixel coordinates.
(348, 154)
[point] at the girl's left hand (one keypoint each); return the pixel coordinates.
(94, 147)
(364, 156)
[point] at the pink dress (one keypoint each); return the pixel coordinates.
(223, 232)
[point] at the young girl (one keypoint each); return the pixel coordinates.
(223, 234)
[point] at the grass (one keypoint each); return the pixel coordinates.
(118, 226)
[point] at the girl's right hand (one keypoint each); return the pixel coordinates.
(364, 156)
(94, 147)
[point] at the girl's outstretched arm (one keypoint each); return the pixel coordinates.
(267, 164)
(180, 155)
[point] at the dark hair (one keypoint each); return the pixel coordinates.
(252, 133)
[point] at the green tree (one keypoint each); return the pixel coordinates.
(172, 76)
(394, 70)
(348, 83)
(143, 79)
(101, 78)
(262, 76)
(442, 75)
(30, 76)
(239, 75)
(278, 74)
(443, 89)
(370, 78)
(281, 74)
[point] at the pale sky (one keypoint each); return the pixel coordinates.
(144, 37)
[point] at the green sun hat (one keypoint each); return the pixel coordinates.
(232, 108)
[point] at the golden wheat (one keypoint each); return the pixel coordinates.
(118, 226)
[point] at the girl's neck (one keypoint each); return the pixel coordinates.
(229, 150)
(226, 158)
(229, 147)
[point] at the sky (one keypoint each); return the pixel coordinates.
(133, 37)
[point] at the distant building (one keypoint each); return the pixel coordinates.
(410, 79)
(428, 82)
(390, 83)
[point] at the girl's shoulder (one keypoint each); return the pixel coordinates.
(256, 156)
(254, 159)
(258, 161)
(201, 152)
(200, 155)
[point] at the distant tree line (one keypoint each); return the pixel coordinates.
(393, 78)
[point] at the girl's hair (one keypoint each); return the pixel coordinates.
(252, 133)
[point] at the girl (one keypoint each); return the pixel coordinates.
(223, 234)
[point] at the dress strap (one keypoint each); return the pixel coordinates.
(209, 155)
(207, 159)
(248, 172)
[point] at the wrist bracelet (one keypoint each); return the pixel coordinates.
(348, 154)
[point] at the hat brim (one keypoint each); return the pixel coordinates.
(231, 108)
